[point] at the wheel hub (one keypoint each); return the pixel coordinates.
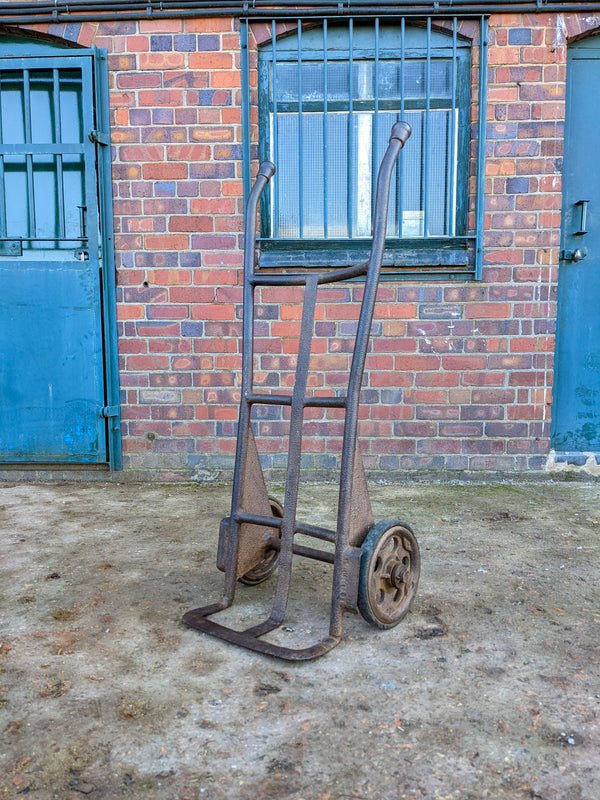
(397, 575)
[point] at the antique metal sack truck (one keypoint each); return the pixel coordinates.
(375, 567)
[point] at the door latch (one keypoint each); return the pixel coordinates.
(574, 255)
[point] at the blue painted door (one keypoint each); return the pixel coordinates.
(576, 403)
(52, 384)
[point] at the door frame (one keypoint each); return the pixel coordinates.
(16, 47)
(108, 273)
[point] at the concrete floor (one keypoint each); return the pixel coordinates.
(490, 688)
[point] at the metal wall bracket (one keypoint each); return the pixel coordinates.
(99, 138)
(10, 248)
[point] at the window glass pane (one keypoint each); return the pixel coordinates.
(338, 80)
(337, 175)
(338, 83)
(42, 101)
(416, 197)
(74, 194)
(312, 81)
(363, 80)
(384, 126)
(42, 107)
(15, 190)
(414, 78)
(362, 132)
(45, 197)
(313, 175)
(441, 78)
(312, 180)
(71, 109)
(33, 209)
(286, 82)
(13, 116)
(390, 79)
(410, 180)
(437, 189)
(288, 178)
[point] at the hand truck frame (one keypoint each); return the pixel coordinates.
(375, 567)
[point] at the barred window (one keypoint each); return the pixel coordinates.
(328, 95)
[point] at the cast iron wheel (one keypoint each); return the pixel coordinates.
(267, 566)
(389, 573)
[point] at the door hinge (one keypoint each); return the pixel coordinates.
(99, 138)
(109, 411)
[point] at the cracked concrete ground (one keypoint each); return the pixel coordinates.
(489, 689)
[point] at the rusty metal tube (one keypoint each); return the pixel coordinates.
(400, 133)
(66, 11)
(265, 173)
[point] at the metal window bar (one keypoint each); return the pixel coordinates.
(479, 202)
(400, 162)
(2, 186)
(62, 227)
(451, 156)
(350, 163)
(246, 139)
(275, 123)
(375, 127)
(426, 135)
(300, 140)
(31, 221)
(325, 134)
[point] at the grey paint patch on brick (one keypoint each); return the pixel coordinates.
(167, 396)
(583, 463)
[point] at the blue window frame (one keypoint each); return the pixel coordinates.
(328, 95)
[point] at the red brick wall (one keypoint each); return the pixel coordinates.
(176, 102)
(460, 372)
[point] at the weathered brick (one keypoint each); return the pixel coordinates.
(482, 448)
(137, 80)
(506, 429)
(483, 379)
(191, 224)
(519, 36)
(160, 396)
(161, 97)
(487, 310)
(146, 363)
(162, 171)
